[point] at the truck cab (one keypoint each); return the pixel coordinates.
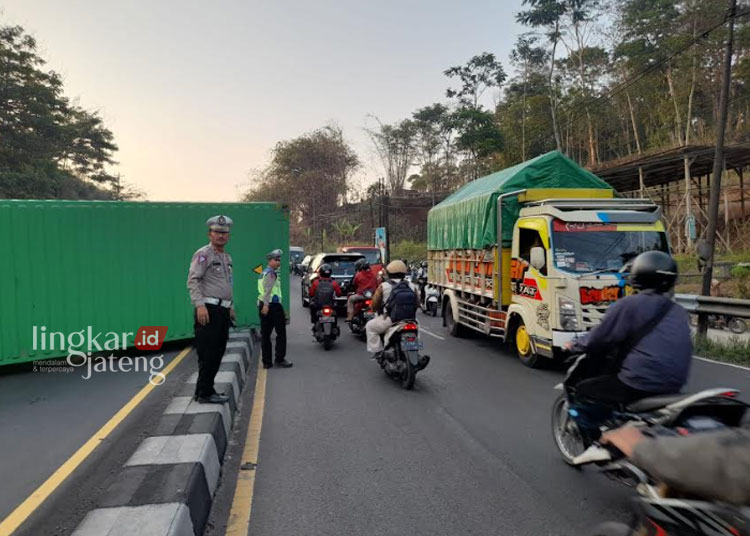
(569, 261)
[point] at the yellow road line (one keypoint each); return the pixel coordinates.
(239, 515)
(33, 501)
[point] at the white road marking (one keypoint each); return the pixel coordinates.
(431, 333)
(721, 363)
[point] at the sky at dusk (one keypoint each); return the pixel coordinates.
(198, 93)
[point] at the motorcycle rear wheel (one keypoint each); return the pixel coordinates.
(409, 375)
(327, 344)
(565, 431)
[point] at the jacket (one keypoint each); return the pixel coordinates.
(660, 362)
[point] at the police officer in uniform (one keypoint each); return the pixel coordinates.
(272, 315)
(210, 285)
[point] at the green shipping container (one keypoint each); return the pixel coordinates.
(114, 266)
(467, 219)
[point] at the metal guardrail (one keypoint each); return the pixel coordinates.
(714, 306)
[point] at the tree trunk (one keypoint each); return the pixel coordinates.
(678, 119)
(552, 99)
(632, 121)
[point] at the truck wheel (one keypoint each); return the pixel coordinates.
(454, 328)
(524, 349)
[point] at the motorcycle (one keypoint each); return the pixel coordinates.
(362, 315)
(657, 513)
(326, 329)
(705, 410)
(401, 359)
(431, 300)
(732, 323)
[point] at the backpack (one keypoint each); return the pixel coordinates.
(403, 303)
(324, 294)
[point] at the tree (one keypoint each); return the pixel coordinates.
(528, 58)
(547, 14)
(47, 144)
(480, 73)
(395, 146)
(478, 136)
(310, 174)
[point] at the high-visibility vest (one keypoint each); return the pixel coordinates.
(275, 290)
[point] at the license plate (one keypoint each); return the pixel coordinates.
(410, 345)
(369, 316)
(327, 319)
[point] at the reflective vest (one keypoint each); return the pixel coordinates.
(275, 290)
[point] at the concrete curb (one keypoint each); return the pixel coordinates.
(167, 486)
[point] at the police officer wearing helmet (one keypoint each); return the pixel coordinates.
(650, 332)
(272, 316)
(375, 328)
(210, 284)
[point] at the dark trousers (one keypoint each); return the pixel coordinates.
(210, 342)
(598, 397)
(274, 320)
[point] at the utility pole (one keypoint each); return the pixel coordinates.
(713, 205)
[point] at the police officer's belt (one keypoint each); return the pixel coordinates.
(217, 301)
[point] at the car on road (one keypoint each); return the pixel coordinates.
(296, 254)
(342, 265)
(371, 253)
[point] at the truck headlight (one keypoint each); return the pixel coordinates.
(568, 314)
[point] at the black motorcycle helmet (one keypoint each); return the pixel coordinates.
(325, 270)
(653, 270)
(361, 264)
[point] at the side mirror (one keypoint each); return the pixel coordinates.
(538, 258)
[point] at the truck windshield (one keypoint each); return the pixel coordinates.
(588, 247)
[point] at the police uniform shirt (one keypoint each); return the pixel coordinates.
(210, 275)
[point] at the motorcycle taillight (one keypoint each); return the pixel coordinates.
(411, 327)
(327, 311)
(368, 303)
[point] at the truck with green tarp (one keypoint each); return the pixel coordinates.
(110, 267)
(535, 253)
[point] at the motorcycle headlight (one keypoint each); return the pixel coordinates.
(568, 314)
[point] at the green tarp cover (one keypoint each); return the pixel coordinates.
(467, 219)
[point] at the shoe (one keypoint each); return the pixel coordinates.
(377, 356)
(283, 363)
(267, 365)
(212, 399)
(423, 362)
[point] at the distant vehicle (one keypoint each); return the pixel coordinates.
(296, 254)
(305, 263)
(371, 253)
(343, 272)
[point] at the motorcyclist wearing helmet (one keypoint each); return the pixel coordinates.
(363, 281)
(323, 291)
(396, 272)
(648, 333)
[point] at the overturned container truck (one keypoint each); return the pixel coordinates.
(534, 254)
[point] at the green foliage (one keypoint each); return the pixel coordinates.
(742, 274)
(482, 72)
(409, 250)
(734, 350)
(49, 147)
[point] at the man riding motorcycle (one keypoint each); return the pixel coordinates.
(323, 291)
(365, 279)
(395, 282)
(641, 348)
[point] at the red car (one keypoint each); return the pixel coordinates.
(371, 253)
